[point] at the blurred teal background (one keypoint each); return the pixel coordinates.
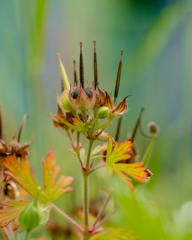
(157, 71)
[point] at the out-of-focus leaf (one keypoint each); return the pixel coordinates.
(98, 149)
(11, 237)
(118, 153)
(115, 234)
(20, 236)
(180, 227)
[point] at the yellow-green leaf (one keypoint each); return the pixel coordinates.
(120, 152)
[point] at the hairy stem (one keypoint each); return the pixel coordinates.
(67, 217)
(5, 233)
(86, 202)
(89, 153)
(86, 190)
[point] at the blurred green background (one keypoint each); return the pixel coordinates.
(156, 36)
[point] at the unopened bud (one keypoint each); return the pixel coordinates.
(29, 217)
(153, 127)
(103, 112)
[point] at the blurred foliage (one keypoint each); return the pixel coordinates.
(156, 37)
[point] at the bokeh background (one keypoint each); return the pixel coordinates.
(156, 36)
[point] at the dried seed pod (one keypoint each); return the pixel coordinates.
(153, 128)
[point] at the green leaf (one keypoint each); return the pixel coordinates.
(11, 237)
(120, 152)
(21, 236)
(115, 234)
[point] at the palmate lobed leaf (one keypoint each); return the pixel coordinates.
(50, 171)
(21, 173)
(118, 153)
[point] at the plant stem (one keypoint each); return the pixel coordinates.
(86, 202)
(67, 217)
(89, 153)
(5, 233)
(78, 149)
(86, 189)
(101, 211)
(105, 219)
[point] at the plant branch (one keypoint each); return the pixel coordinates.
(5, 233)
(89, 153)
(86, 188)
(67, 217)
(100, 166)
(101, 211)
(105, 219)
(78, 149)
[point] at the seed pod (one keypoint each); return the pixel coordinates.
(29, 217)
(153, 127)
(103, 112)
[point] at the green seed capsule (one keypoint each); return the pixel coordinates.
(103, 112)
(29, 217)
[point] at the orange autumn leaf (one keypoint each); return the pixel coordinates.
(21, 173)
(50, 172)
(120, 152)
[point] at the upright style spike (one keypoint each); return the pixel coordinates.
(118, 129)
(81, 69)
(75, 73)
(95, 64)
(21, 127)
(0, 123)
(118, 76)
(137, 124)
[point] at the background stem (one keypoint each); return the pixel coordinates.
(67, 217)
